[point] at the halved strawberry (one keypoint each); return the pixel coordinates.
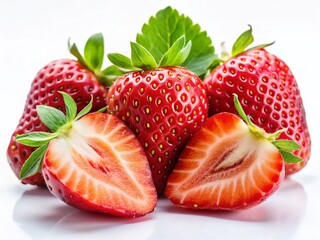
(95, 163)
(228, 165)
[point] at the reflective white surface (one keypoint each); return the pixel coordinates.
(32, 33)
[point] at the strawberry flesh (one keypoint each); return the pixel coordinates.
(100, 166)
(225, 166)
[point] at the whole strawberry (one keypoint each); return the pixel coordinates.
(269, 93)
(163, 104)
(80, 78)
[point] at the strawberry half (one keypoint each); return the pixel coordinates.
(163, 105)
(269, 93)
(229, 165)
(79, 78)
(94, 162)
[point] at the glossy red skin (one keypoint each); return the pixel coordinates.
(60, 75)
(134, 98)
(268, 93)
(197, 166)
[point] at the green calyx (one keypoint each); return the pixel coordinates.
(168, 39)
(59, 123)
(241, 45)
(285, 147)
(142, 59)
(244, 41)
(93, 58)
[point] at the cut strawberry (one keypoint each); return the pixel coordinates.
(228, 165)
(97, 164)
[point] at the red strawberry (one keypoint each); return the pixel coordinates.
(164, 106)
(74, 77)
(94, 163)
(269, 93)
(228, 165)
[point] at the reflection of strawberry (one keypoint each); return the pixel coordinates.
(229, 165)
(74, 77)
(269, 94)
(93, 162)
(164, 106)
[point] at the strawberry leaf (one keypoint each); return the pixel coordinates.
(162, 30)
(141, 57)
(35, 139)
(93, 58)
(177, 53)
(121, 61)
(71, 106)
(51, 117)
(85, 110)
(110, 74)
(289, 157)
(243, 41)
(94, 51)
(286, 145)
(113, 71)
(33, 164)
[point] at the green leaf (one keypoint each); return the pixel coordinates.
(35, 139)
(243, 41)
(121, 61)
(286, 145)
(141, 57)
(263, 45)
(85, 110)
(177, 53)
(240, 109)
(94, 51)
(51, 117)
(33, 164)
(73, 49)
(113, 71)
(71, 106)
(102, 110)
(163, 29)
(289, 157)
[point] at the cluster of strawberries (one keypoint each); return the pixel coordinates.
(175, 119)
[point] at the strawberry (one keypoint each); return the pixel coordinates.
(161, 98)
(164, 106)
(92, 162)
(75, 77)
(229, 164)
(269, 93)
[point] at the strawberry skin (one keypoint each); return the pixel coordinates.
(164, 107)
(60, 75)
(225, 166)
(269, 93)
(100, 166)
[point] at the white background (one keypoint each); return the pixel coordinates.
(35, 32)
